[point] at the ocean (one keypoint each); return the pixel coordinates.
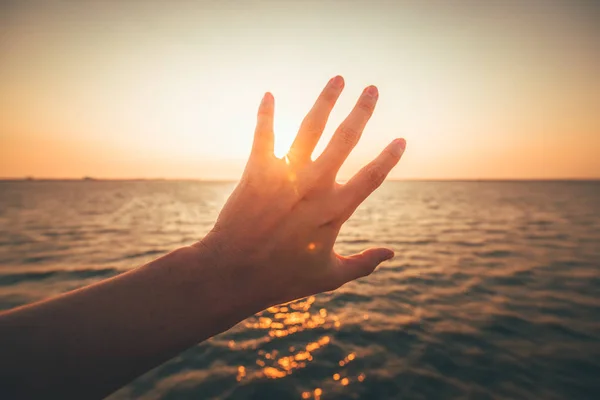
(494, 292)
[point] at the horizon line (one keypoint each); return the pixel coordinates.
(209, 180)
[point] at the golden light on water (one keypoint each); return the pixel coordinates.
(318, 392)
(241, 373)
(285, 320)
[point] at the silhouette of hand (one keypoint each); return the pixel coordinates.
(276, 232)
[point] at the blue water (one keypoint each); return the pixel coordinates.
(494, 293)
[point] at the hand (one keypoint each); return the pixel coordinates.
(276, 232)
(272, 243)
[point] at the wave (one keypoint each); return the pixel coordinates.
(62, 275)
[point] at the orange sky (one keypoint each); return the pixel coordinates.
(497, 89)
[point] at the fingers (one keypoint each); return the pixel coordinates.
(361, 264)
(263, 135)
(314, 123)
(348, 134)
(369, 178)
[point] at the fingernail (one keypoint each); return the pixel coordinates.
(389, 255)
(401, 143)
(372, 91)
(337, 82)
(267, 98)
(397, 147)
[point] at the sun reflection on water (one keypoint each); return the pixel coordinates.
(282, 321)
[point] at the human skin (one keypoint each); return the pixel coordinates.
(272, 243)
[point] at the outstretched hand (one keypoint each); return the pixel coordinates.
(281, 222)
(272, 243)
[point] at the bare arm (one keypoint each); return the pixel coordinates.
(272, 243)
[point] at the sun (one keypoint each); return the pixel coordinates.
(285, 133)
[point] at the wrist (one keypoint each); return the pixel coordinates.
(225, 277)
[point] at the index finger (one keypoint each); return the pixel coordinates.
(369, 178)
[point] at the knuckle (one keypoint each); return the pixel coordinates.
(264, 112)
(375, 176)
(311, 126)
(366, 106)
(390, 154)
(349, 135)
(329, 97)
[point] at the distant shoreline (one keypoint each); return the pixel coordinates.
(93, 179)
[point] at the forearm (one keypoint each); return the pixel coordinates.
(89, 342)
(272, 243)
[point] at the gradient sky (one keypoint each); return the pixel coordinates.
(494, 89)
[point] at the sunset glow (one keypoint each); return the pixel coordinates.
(171, 89)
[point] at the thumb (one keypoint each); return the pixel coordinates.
(362, 264)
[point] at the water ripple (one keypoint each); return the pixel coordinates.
(493, 293)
